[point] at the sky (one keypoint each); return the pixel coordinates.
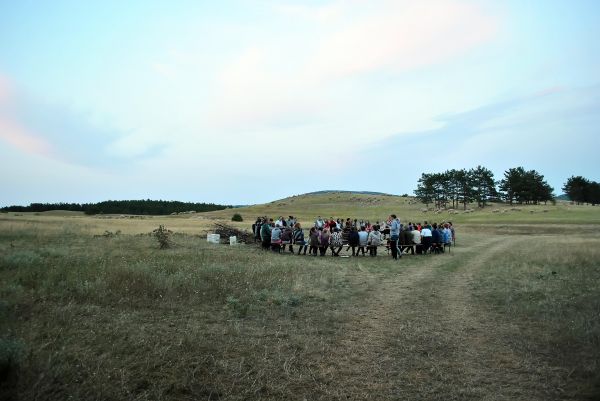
(243, 102)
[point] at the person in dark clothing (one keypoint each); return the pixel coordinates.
(426, 238)
(406, 239)
(265, 235)
(323, 241)
(256, 229)
(314, 241)
(353, 240)
(286, 238)
(436, 239)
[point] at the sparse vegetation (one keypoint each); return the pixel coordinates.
(113, 317)
(11, 355)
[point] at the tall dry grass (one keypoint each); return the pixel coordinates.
(114, 317)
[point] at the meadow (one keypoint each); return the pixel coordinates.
(91, 309)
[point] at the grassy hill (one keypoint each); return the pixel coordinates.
(308, 206)
(377, 207)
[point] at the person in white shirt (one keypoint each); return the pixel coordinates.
(416, 236)
(426, 237)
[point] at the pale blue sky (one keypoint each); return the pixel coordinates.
(249, 101)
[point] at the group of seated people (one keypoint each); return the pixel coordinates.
(358, 235)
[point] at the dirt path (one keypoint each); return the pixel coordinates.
(490, 366)
(422, 336)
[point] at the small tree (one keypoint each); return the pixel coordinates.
(237, 217)
(163, 236)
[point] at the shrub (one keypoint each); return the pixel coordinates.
(237, 217)
(163, 236)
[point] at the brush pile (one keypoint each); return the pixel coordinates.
(227, 231)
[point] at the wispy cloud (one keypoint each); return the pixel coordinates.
(57, 132)
(320, 13)
(552, 130)
(24, 140)
(266, 79)
(403, 35)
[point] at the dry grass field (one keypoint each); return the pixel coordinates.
(513, 313)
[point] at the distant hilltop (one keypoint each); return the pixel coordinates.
(334, 191)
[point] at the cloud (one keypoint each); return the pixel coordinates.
(24, 140)
(57, 132)
(551, 130)
(323, 13)
(402, 36)
(301, 75)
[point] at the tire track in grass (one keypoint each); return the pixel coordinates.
(488, 366)
(371, 359)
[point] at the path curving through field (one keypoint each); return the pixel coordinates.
(422, 336)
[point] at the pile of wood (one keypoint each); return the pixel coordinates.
(227, 231)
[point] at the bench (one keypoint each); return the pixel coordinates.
(385, 244)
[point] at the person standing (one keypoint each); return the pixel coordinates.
(265, 235)
(256, 228)
(394, 224)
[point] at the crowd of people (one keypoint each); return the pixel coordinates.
(359, 235)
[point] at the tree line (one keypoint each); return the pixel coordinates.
(581, 190)
(139, 207)
(455, 188)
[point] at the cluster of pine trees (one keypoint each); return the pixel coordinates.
(581, 190)
(139, 207)
(454, 188)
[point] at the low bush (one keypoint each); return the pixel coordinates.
(163, 236)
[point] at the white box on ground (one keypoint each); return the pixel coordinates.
(233, 240)
(213, 238)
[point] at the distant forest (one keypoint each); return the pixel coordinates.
(139, 207)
